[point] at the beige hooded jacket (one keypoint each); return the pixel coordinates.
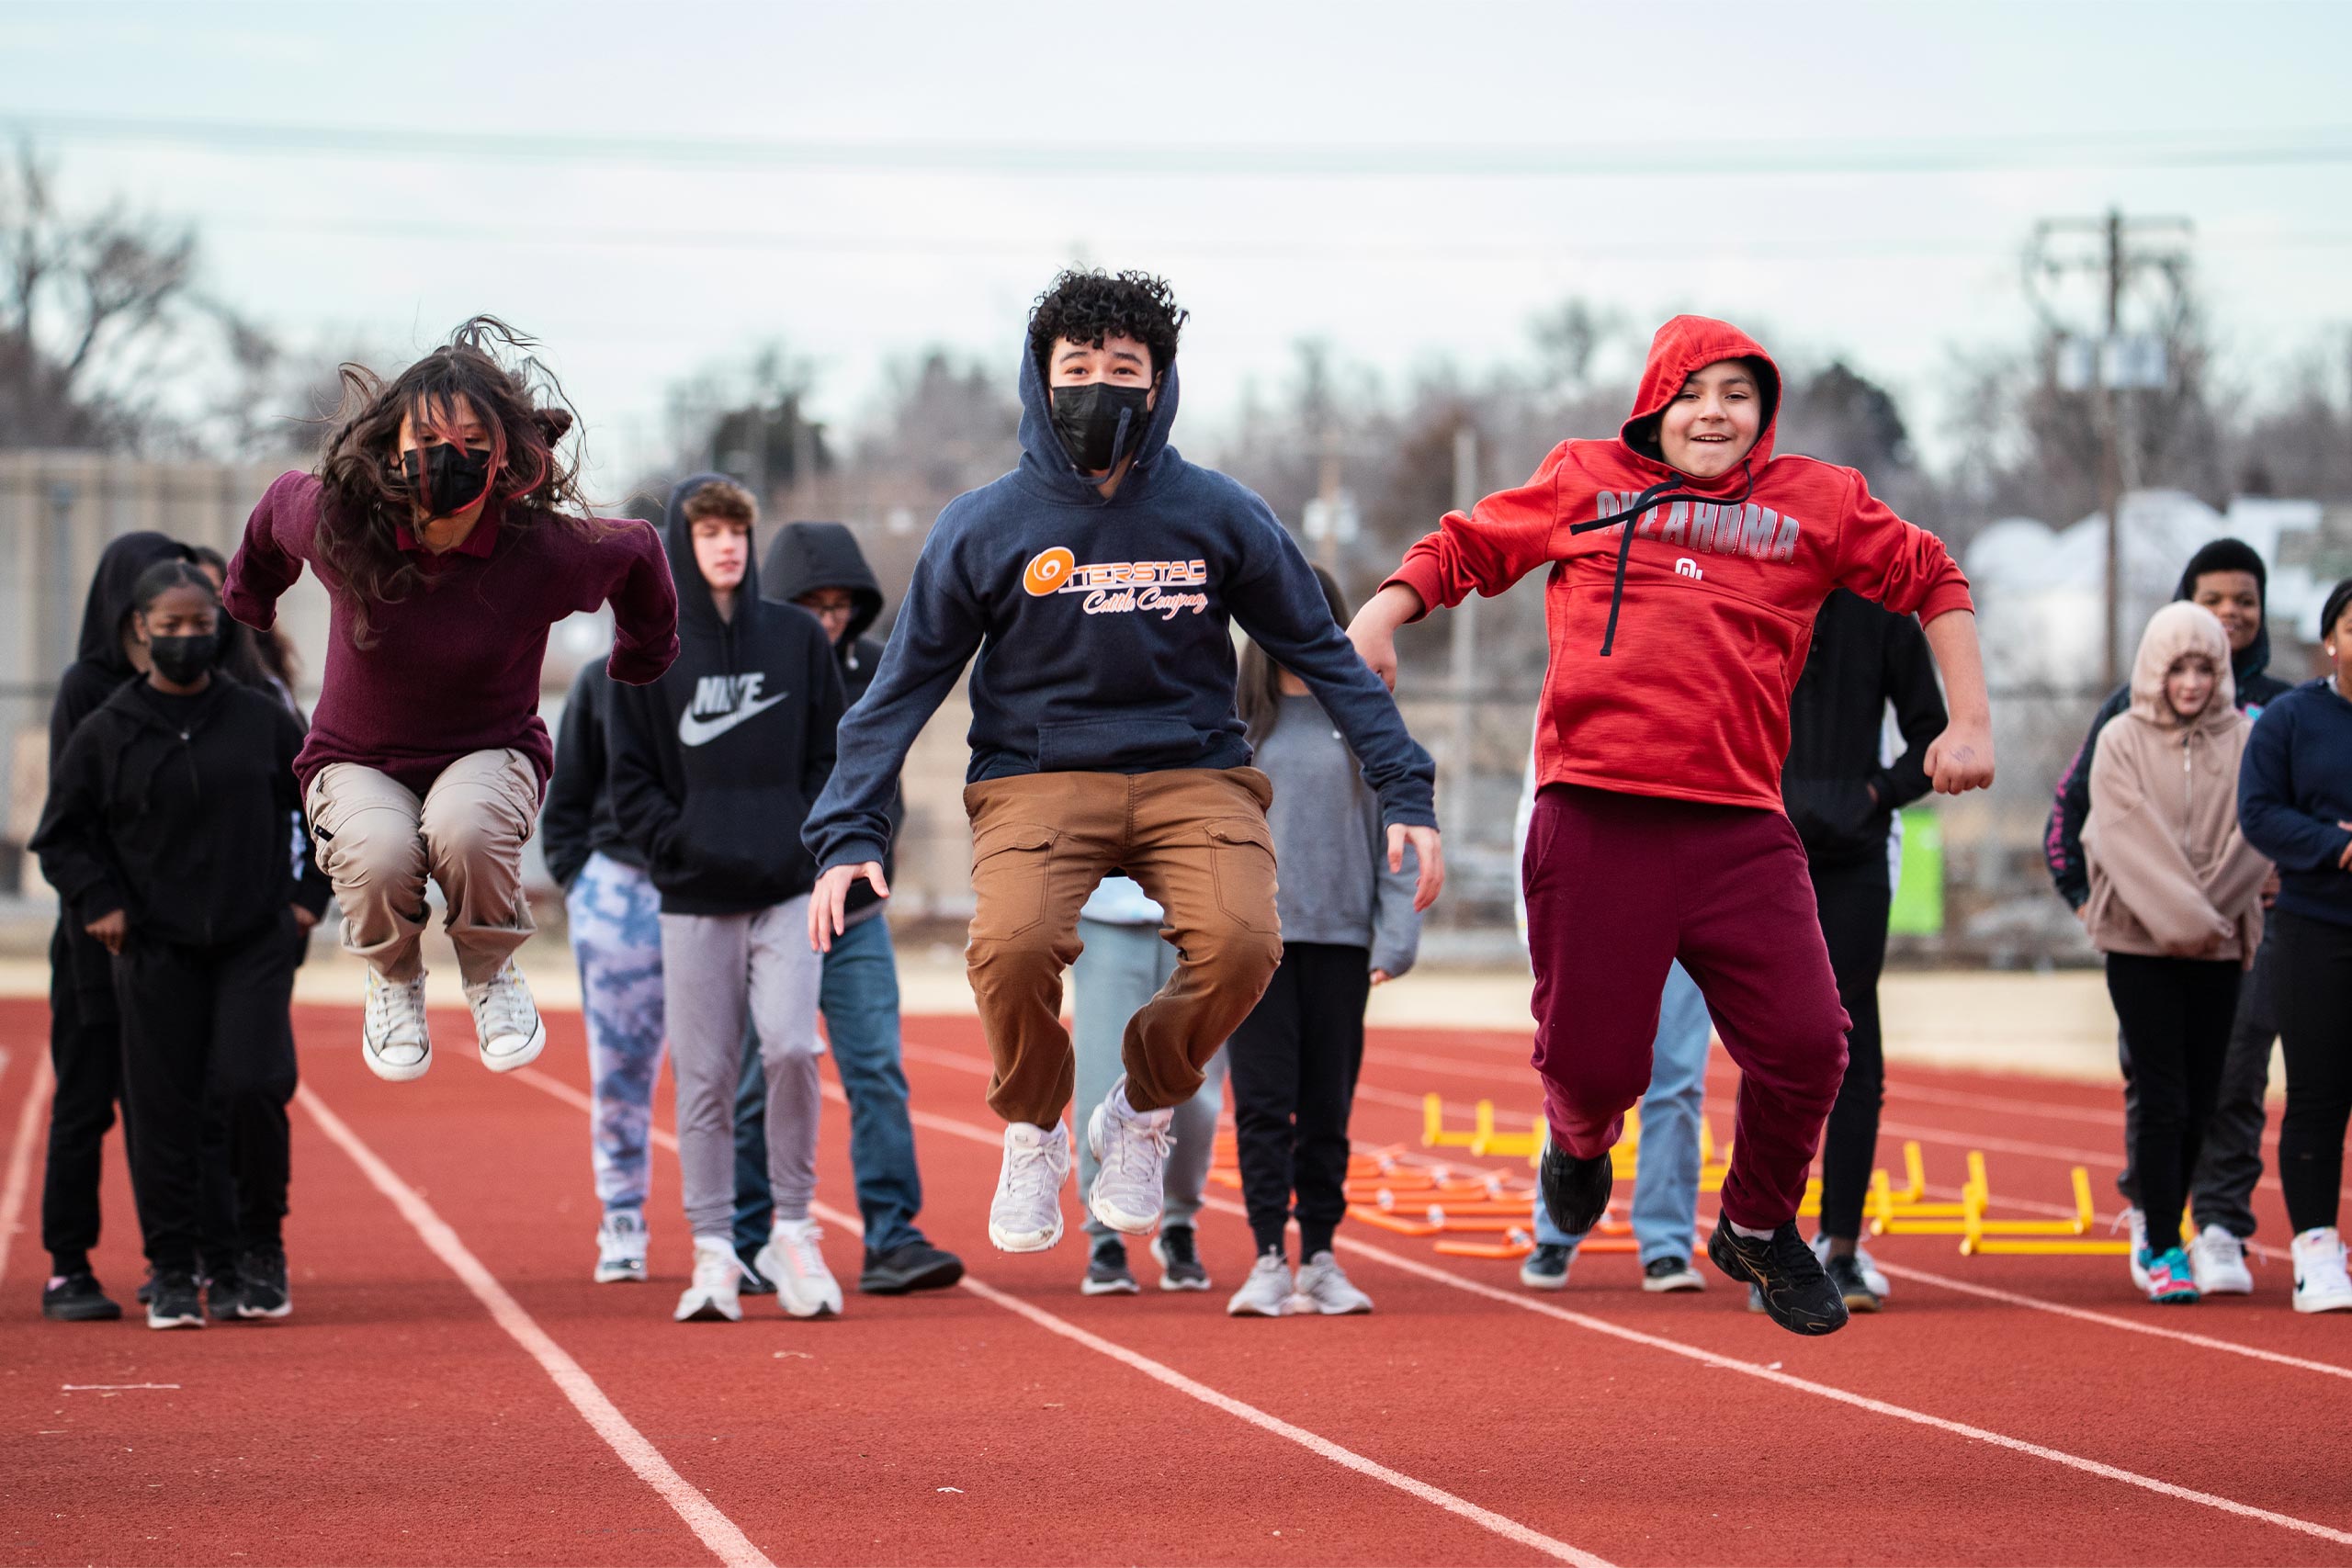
(2171, 875)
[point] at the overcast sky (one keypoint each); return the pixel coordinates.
(653, 189)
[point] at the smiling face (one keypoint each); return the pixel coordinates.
(1714, 420)
(2235, 599)
(2188, 685)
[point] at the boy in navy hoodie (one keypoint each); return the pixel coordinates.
(1096, 583)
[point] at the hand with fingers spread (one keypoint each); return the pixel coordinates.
(829, 900)
(1423, 842)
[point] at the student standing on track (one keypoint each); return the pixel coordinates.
(166, 834)
(2228, 577)
(1096, 584)
(2295, 800)
(712, 770)
(84, 1027)
(450, 534)
(1687, 564)
(1348, 925)
(2176, 904)
(1843, 803)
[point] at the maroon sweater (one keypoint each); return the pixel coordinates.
(454, 666)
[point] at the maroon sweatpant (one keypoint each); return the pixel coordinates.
(1620, 886)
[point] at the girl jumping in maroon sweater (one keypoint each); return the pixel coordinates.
(450, 534)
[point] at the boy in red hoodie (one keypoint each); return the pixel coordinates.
(1658, 832)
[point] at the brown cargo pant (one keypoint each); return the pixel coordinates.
(1196, 840)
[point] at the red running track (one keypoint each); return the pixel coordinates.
(451, 1389)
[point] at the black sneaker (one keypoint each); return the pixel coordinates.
(910, 1266)
(1546, 1268)
(225, 1292)
(1845, 1278)
(77, 1298)
(147, 1287)
(1793, 1290)
(1179, 1257)
(753, 1282)
(267, 1294)
(176, 1303)
(1107, 1273)
(1576, 1191)
(1672, 1273)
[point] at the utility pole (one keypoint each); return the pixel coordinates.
(1463, 627)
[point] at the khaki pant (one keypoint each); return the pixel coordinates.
(377, 843)
(1196, 840)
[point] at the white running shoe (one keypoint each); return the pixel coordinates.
(2217, 1259)
(1267, 1293)
(394, 1038)
(1324, 1287)
(621, 1249)
(2136, 1221)
(506, 1023)
(2321, 1282)
(1133, 1147)
(1027, 1213)
(1869, 1265)
(718, 1275)
(791, 1260)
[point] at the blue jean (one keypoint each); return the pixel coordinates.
(1666, 1172)
(616, 922)
(1121, 968)
(859, 999)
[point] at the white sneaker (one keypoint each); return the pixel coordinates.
(791, 1261)
(2217, 1259)
(1133, 1147)
(394, 1038)
(1869, 1265)
(2136, 1222)
(1267, 1293)
(2321, 1282)
(1324, 1287)
(621, 1249)
(506, 1023)
(718, 1275)
(1027, 1213)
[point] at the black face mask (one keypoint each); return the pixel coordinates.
(184, 660)
(447, 479)
(1087, 419)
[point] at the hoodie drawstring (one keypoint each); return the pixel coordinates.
(1657, 495)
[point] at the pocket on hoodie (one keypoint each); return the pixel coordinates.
(1012, 879)
(1123, 745)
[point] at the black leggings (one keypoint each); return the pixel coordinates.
(1293, 1064)
(1853, 901)
(2314, 1000)
(2177, 1012)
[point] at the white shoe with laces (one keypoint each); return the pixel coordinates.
(1324, 1287)
(1027, 1213)
(713, 1297)
(792, 1261)
(1133, 1147)
(1268, 1291)
(393, 1037)
(2217, 1259)
(2135, 1221)
(621, 1249)
(2321, 1282)
(506, 1021)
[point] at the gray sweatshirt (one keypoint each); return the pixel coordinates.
(1331, 853)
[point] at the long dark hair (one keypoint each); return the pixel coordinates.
(1258, 696)
(368, 496)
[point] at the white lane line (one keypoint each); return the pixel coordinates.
(19, 1181)
(715, 1529)
(1510, 1528)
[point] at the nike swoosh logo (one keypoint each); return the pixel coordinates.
(695, 730)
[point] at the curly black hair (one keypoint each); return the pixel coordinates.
(1088, 307)
(2339, 599)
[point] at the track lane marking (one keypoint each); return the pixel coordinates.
(18, 1180)
(714, 1528)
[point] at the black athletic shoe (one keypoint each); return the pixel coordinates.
(1107, 1273)
(1576, 1191)
(753, 1282)
(1795, 1293)
(263, 1273)
(176, 1303)
(1845, 1278)
(1178, 1257)
(1546, 1268)
(225, 1292)
(910, 1266)
(78, 1298)
(147, 1288)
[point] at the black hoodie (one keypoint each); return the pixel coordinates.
(2061, 838)
(577, 820)
(713, 766)
(99, 665)
(1863, 658)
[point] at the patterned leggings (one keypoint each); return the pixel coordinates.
(616, 936)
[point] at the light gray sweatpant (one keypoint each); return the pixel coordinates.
(716, 969)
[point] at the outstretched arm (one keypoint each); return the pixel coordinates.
(269, 558)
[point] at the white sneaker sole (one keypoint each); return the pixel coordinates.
(1674, 1285)
(1110, 1214)
(1288, 1307)
(708, 1310)
(1025, 1241)
(798, 1298)
(2322, 1303)
(396, 1072)
(620, 1273)
(284, 1309)
(1307, 1306)
(2230, 1282)
(1544, 1282)
(508, 1061)
(1109, 1288)
(154, 1322)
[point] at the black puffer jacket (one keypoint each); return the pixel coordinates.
(1863, 658)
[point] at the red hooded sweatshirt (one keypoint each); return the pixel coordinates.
(1675, 680)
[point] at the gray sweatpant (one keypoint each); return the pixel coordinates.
(1123, 967)
(716, 971)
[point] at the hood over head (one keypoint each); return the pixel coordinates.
(695, 606)
(2234, 555)
(1682, 347)
(2181, 628)
(806, 556)
(119, 567)
(1044, 462)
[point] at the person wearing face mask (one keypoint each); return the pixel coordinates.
(450, 533)
(165, 833)
(2175, 904)
(1095, 586)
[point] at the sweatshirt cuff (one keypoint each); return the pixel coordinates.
(1420, 574)
(248, 609)
(1943, 599)
(640, 667)
(95, 902)
(852, 851)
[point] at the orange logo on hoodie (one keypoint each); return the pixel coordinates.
(1049, 571)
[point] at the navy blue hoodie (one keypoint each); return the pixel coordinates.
(711, 767)
(2294, 787)
(1102, 634)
